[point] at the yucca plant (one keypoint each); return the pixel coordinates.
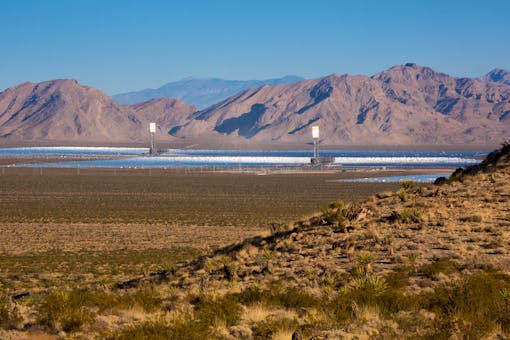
(365, 260)
(374, 285)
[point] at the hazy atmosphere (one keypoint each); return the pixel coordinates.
(120, 46)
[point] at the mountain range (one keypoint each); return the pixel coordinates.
(200, 92)
(407, 104)
(404, 105)
(65, 111)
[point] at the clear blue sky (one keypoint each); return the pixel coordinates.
(119, 46)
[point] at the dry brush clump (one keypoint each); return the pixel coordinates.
(10, 316)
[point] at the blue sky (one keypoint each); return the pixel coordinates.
(120, 46)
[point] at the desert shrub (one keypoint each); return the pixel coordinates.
(250, 295)
(406, 185)
(277, 227)
(293, 297)
(352, 211)
(65, 311)
(365, 290)
(269, 327)
(474, 307)
(9, 314)
(69, 310)
(333, 214)
(457, 175)
(337, 213)
(339, 309)
(229, 268)
(184, 328)
(209, 309)
(411, 215)
(442, 265)
(144, 297)
(399, 276)
(402, 195)
(288, 297)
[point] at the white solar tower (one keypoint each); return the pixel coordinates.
(315, 136)
(152, 132)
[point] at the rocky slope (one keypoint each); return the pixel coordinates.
(164, 111)
(466, 219)
(65, 111)
(426, 262)
(406, 104)
(497, 76)
(200, 92)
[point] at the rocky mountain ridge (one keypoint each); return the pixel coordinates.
(404, 105)
(64, 110)
(497, 75)
(201, 92)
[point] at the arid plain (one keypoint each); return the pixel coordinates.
(67, 214)
(139, 253)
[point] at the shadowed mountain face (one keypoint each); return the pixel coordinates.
(497, 76)
(406, 104)
(200, 92)
(63, 110)
(164, 112)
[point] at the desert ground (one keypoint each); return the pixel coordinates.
(141, 220)
(135, 254)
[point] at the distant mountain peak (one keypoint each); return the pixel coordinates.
(497, 75)
(201, 92)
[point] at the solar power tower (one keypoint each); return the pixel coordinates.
(315, 136)
(152, 132)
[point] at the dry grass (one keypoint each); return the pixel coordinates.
(255, 313)
(418, 267)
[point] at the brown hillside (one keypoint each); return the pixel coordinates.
(65, 111)
(166, 112)
(403, 105)
(467, 220)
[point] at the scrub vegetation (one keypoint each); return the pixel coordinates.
(375, 267)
